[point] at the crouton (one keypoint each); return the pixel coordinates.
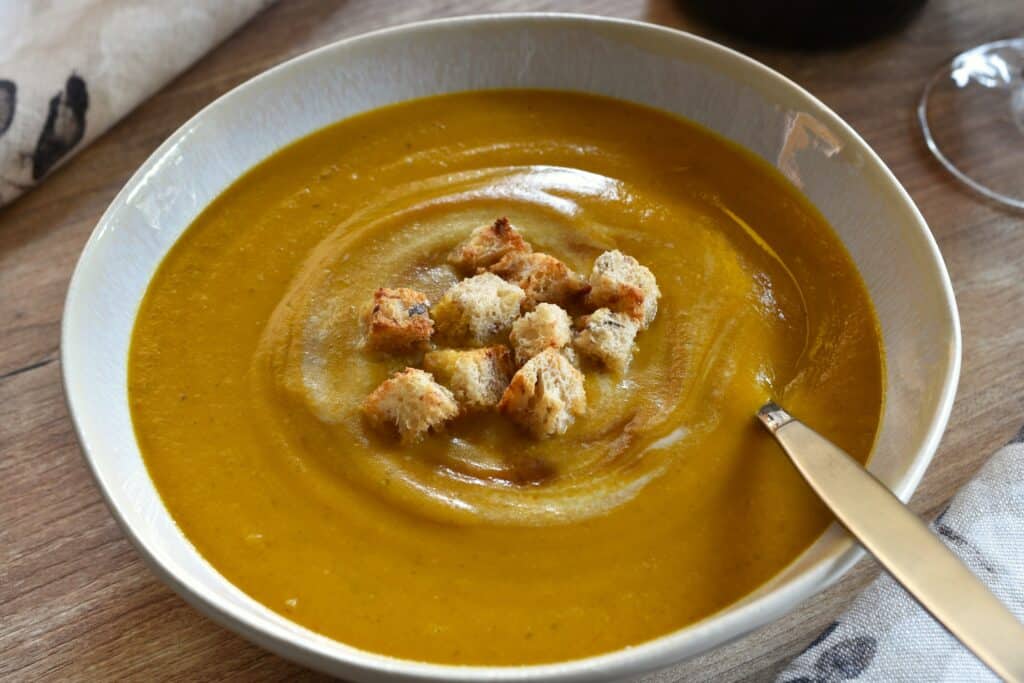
(411, 402)
(486, 245)
(545, 395)
(607, 337)
(543, 277)
(546, 327)
(398, 320)
(620, 283)
(477, 378)
(477, 309)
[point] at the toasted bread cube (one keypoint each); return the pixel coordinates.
(545, 395)
(398, 320)
(477, 377)
(543, 277)
(486, 245)
(477, 309)
(411, 402)
(620, 283)
(607, 337)
(545, 327)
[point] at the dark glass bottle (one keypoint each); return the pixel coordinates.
(803, 24)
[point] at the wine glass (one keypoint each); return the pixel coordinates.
(972, 116)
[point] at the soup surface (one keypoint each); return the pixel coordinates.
(479, 545)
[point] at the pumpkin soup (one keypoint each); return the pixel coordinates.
(476, 542)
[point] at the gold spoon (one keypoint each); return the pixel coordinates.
(902, 544)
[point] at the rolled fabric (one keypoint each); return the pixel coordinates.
(71, 69)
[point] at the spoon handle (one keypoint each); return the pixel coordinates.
(902, 544)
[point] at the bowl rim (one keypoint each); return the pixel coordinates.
(715, 629)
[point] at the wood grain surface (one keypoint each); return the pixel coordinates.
(76, 601)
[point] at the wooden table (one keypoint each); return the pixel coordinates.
(77, 603)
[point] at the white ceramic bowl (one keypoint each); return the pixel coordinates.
(719, 88)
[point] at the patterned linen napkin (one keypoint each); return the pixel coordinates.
(886, 636)
(70, 69)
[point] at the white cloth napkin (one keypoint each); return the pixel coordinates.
(70, 69)
(886, 636)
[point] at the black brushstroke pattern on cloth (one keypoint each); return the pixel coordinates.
(8, 101)
(957, 539)
(64, 127)
(1020, 436)
(822, 636)
(847, 659)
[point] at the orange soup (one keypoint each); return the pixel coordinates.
(661, 505)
